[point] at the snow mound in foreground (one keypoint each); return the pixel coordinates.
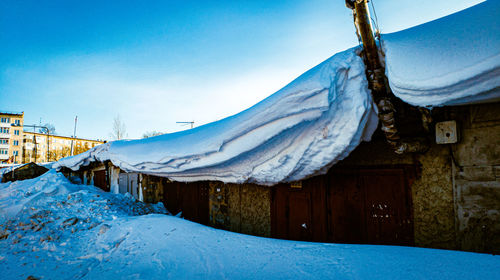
(51, 208)
(450, 61)
(78, 232)
(299, 131)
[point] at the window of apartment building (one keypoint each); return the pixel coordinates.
(17, 122)
(16, 132)
(16, 143)
(4, 130)
(4, 141)
(4, 152)
(15, 153)
(5, 120)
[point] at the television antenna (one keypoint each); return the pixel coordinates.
(187, 123)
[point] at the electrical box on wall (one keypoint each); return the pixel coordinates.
(446, 132)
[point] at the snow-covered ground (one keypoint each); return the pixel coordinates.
(53, 229)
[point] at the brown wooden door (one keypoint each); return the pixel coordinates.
(171, 197)
(294, 211)
(371, 205)
(299, 219)
(389, 218)
(189, 198)
(346, 208)
(355, 205)
(299, 213)
(194, 202)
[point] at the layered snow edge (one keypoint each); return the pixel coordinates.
(453, 60)
(299, 131)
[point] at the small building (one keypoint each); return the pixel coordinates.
(11, 137)
(26, 171)
(309, 162)
(447, 197)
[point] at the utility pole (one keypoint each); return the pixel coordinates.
(48, 149)
(186, 123)
(74, 135)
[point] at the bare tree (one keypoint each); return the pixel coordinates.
(51, 127)
(151, 134)
(119, 129)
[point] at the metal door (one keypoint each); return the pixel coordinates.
(123, 182)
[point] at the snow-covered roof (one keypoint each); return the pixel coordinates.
(450, 61)
(319, 118)
(299, 131)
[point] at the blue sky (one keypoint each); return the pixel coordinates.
(158, 62)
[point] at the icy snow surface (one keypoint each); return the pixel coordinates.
(52, 229)
(299, 131)
(450, 61)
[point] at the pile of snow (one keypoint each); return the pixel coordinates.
(300, 131)
(450, 61)
(52, 229)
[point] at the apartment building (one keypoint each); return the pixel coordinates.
(40, 147)
(11, 137)
(19, 146)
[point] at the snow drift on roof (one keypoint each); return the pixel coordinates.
(299, 131)
(450, 61)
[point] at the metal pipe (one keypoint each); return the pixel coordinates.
(377, 80)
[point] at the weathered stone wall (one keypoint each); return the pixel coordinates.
(477, 180)
(244, 208)
(433, 206)
(152, 188)
(456, 199)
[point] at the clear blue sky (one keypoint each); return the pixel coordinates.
(158, 62)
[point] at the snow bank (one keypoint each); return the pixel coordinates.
(299, 131)
(52, 192)
(450, 61)
(79, 232)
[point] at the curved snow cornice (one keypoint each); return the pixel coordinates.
(449, 61)
(297, 132)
